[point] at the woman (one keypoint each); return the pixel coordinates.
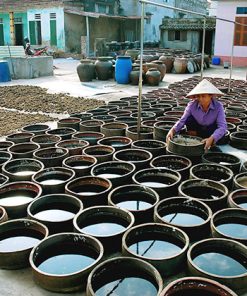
(204, 116)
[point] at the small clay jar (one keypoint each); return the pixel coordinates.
(153, 77)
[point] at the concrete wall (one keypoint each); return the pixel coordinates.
(102, 27)
(191, 44)
(75, 27)
(6, 26)
(45, 24)
(156, 14)
(33, 67)
(224, 33)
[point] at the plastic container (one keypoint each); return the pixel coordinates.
(123, 69)
(4, 71)
(216, 61)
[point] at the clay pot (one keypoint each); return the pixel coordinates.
(3, 215)
(86, 70)
(60, 245)
(22, 137)
(51, 157)
(4, 145)
(23, 150)
(196, 286)
(118, 172)
(164, 181)
(239, 140)
(161, 67)
(65, 133)
(53, 180)
(238, 199)
(110, 238)
(37, 129)
(213, 193)
(228, 160)
(75, 146)
(28, 233)
(90, 190)
(240, 181)
(190, 215)
(166, 263)
(113, 129)
(139, 200)
(230, 224)
(140, 158)
(16, 196)
(103, 67)
(91, 137)
(80, 164)
(72, 122)
(46, 141)
(118, 143)
(91, 125)
(102, 153)
(5, 156)
(55, 211)
(145, 133)
(22, 169)
(167, 61)
(213, 172)
(153, 146)
(180, 65)
(229, 248)
(118, 270)
(153, 77)
(176, 163)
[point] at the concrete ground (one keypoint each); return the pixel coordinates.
(65, 79)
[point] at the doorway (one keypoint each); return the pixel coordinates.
(19, 34)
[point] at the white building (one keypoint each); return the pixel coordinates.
(226, 34)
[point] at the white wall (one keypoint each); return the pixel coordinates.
(224, 31)
(45, 24)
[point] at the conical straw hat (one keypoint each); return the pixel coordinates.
(205, 87)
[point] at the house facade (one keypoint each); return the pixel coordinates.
(66, 24)
(226, 33)
(154, 15)
(41, 21)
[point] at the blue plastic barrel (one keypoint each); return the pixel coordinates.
(123, 69)
(216, 61)
(4, 71)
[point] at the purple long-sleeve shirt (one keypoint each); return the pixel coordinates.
(215, 114)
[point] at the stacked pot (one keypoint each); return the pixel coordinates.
(92, 202)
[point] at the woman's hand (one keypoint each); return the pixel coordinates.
(170, 134)
(209, 142)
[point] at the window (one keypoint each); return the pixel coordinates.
(18, 20)
(241, 10)
(102, 8)
(177, 35)
(53, 29)
(240, 38)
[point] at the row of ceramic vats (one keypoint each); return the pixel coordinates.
(126, 68)
(93, 174)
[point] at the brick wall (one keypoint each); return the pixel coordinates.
(13, 5)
